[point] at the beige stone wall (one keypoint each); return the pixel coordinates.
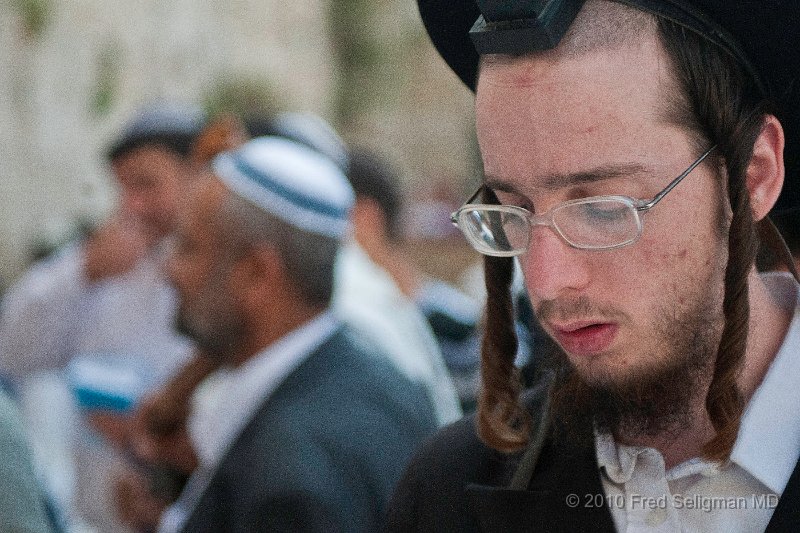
(407, 103)
(67, 87)
(67, 84)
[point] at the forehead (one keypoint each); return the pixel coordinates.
(549, 114)
(147, 160)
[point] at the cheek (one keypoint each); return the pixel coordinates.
(188, 274)
(161, 199)
(685, 259)
(236, 284)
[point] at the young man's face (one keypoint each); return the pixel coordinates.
(595, 124)
(151, 179)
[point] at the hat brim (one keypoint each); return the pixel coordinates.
(448, 23)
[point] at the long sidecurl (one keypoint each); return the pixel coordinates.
(503, 423)
(721, 104)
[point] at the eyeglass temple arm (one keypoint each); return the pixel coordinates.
(454, 215)
(475, 195)
(657, 198)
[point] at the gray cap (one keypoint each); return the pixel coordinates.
(170, 123)
(290, 181)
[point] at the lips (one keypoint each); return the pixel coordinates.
(585, 338)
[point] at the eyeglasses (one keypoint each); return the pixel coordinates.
(594, 223)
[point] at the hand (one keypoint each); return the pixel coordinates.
(114, 248)
(163, 411)
(115, 427)
(158, 433)
(135, 503)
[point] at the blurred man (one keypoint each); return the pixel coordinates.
(107, 295)
(377, 284)
(102, 294)
(365, 297)
(632, 152)
(312, 429)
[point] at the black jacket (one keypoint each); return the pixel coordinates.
(323, 452)
(457, 484)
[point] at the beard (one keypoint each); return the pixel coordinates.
(212, 320)
(655, 400)
(217, 333)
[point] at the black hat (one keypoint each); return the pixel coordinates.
(762, 34)
(173, 124)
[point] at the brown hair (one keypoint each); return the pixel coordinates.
(718, 104)
(502, 422)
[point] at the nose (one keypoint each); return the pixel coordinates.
(552, 267)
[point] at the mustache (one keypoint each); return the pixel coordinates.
(579, 308)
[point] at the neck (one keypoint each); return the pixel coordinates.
(769, 322)
(391, 258)
(682, 443)
(267, 327)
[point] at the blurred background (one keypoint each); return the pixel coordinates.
(72, 72)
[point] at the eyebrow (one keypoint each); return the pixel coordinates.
(553, 182)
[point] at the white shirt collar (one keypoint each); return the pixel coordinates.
(239, 392)
(768, 445)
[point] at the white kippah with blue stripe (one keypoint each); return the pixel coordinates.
(291, 182)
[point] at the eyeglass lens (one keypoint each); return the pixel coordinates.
(495, 231)
(600, 223)
(592, 224)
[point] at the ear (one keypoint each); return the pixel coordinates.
(369, 223)
(765, 172)
(264, 263)
(258, 269)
